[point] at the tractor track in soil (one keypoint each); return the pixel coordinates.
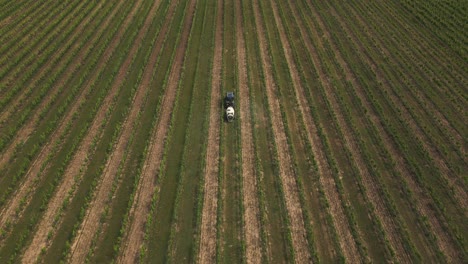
(423, 206)
(423, 201)
(460, 194)
(291, 192)
(207, 251)
(253, 243)
(9, 210)
(85, 234)
(73, 168)
(341, 224)
(147, 186)
(372, 190)
(28, 128)
(43, 70)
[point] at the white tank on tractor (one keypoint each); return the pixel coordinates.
(229, 106)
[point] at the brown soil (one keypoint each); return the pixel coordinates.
(346, 240)
(371, 187)
(460, 193)
(85, 234)
(251, 213)
(13, 106)
(146, 187)
(81, 156)
(28, 128)
(21, 22)
(31, 176)
(17, 32)
(207, 251)
(423, 201)
(293, 205)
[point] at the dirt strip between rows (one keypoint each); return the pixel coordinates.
(85, 234)
(10, 210)
(453, 181)
(290, 189)
(18, 18)
(47, 224)
(207, 251)
(447, 129)
(28, 128)
(372, 190)
(146, 187)
(341, 224)
(56, 60)
(249, 180)
(423, 201)
(23, 34)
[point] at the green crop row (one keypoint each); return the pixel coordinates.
(421, 180)
(157, 236)
(275, 223)
(331, 160)
(428, 96)
(293, 123)
(17, 31)
(430, 171)
(349, 187)
(33, 56)
(177, 183)
(445, 84)
(10, 8)
(74, 142)
(104, 146)
(423, 78)
(162, 77)
(47, 126)
(348, 210)
(108, 245)
(68, 78)
(33, 94)
(230, 244)
(187, 214)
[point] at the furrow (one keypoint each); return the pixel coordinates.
(57, 61)
(73, 169)
(372, 190)
(147, 186)
(443, 240)
(57, 89)
(82, 242)
(31, 176)
(299, 240)
(347, 242)
(249, 180)
(34, 62)
(26, 20)
(446, 173)
(423, 206)
(207, 251)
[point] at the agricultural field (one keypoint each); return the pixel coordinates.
(349, 142)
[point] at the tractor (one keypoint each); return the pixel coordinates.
(229, 106)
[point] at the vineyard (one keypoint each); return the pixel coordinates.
(349, 143)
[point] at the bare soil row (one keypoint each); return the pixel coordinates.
(300, 244)
(208, 237)
(148, 178)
